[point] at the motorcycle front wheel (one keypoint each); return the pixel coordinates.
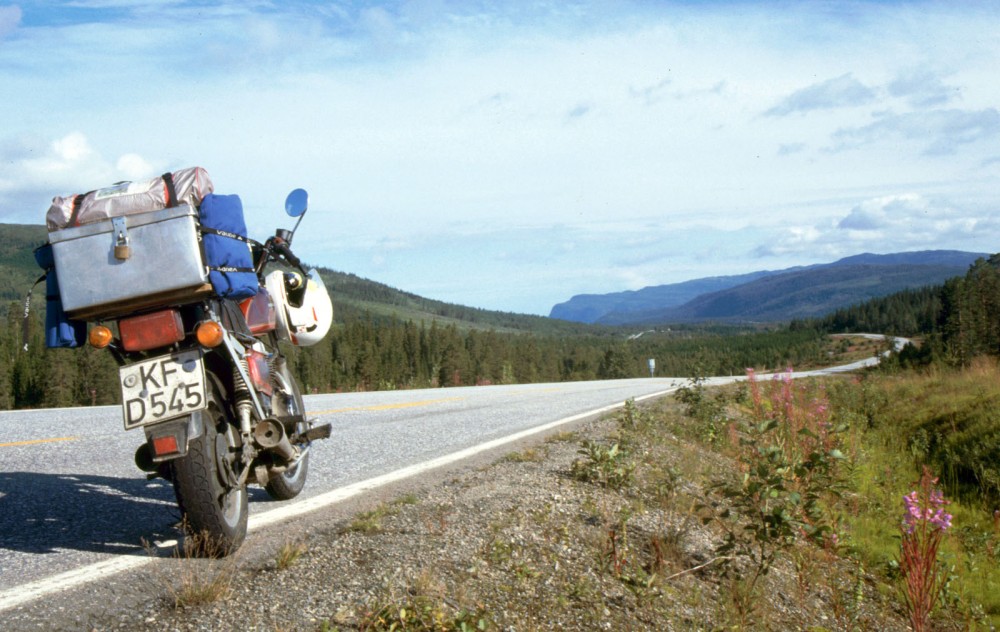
(288, 484)
(213, 506)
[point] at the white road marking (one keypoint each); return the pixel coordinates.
(75, 578)
(19, 595)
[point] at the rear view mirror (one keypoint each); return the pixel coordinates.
(297, 202)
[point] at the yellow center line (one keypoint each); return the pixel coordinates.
(426, 402)
(34, 441)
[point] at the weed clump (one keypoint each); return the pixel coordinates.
(289, 554)
(606, 464)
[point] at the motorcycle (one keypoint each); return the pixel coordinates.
(208, 383)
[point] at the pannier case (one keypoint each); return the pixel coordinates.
(124, 264)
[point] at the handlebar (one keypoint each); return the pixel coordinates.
(274, 248)
(282, 249)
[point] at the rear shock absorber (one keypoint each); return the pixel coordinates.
(241, 398)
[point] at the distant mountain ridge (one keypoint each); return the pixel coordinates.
(800, 292)
(591, 308)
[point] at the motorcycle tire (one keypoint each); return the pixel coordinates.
(287, 485)
(214, 509)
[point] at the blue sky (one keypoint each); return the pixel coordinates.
(511, 155)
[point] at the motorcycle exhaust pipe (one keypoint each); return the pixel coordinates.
(270, 435)
(144, 458)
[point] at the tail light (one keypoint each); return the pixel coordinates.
(149, 331)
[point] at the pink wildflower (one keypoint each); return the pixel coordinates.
(923, 525)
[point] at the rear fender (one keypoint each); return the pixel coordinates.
(174, 433)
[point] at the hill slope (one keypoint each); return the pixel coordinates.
(17, 263)
(354, 294)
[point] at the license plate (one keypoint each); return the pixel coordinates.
(162, 388)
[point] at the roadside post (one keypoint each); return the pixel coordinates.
(652, 367)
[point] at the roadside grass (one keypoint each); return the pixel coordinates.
(528, 455)
(948, 420)
(370, 522)
(951, 420)
(896, 425)
(423, 604)
(195, 578)
(768, 506)
(289, 553)
(561, 437)
(196, 587)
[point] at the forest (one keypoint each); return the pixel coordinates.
(958, 321)
(378, 351)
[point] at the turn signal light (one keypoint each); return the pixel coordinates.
(209, 333)
(99, 337)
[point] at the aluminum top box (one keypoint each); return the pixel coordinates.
(125, 264)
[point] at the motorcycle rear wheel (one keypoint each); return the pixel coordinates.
(214, 508)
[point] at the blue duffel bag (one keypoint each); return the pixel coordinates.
(60, 329)
(226, 247)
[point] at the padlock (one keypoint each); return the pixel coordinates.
(119, 232)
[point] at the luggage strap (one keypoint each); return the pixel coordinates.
(26, 324)
(230, 235)
(226, 233)
(77, 205)
(170, 190)
(230, 269)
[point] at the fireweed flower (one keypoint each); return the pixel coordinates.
(929, 509)
(923, 525)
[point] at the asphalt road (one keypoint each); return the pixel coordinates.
(73, 506)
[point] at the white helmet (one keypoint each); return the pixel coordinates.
(304, 312)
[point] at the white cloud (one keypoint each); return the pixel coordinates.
(890, 223)
(70, 151)
(34, 171)
(134, 167)
(840, 92)
(922, 88)
(653, 93)
(881, 213)
(787, 149)
(941, 132)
